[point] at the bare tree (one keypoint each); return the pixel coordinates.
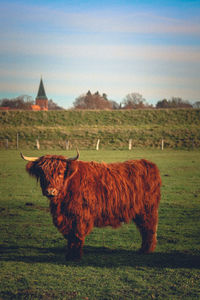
(20, 102)
(114, 104)
(196, 104)
(134, 101)
(53, 106)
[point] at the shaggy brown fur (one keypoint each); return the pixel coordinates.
(87, 194)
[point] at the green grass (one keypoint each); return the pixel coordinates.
(179, 128)
(32, 258)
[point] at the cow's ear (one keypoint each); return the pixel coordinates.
(29, 167)
(32, 169)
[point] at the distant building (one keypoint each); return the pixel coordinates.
(41, 101)
(35, 107)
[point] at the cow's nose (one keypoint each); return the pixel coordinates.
(51, 192)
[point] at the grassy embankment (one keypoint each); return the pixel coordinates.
(32, 260)
(178, 128)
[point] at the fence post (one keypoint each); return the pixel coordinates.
(6, 144)
(17, 141)
(162, 144)
(67, 144)
(38, 144)
(130, 144)
(97, 146)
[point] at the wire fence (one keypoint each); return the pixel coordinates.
(98, 143)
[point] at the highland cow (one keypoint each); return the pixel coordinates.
(87, 194)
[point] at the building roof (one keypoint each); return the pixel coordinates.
(35, 107)
(41, 91)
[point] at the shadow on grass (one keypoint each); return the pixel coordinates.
(101, 257)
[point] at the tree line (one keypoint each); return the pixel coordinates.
(101, 102)
(130, 101)
(24, 102)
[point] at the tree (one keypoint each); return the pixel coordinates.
(178, 102)
(174, 102)
(92, 101)
(105, 96)
(196, 104)
(53, 106)
(134, 101)
(20, 102)
(79, 102)
(162, 104)
(114, 104)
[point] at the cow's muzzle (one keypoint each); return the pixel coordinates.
(51, 192)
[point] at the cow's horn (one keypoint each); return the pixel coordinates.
(29, 158)
(75, 157)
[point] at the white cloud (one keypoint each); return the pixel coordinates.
(102, 52)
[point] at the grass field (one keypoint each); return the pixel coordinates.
(178, 127)
(32, 258)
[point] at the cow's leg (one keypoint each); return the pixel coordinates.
(74, 248)
(147, 224)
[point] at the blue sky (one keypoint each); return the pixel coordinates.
(115, 47)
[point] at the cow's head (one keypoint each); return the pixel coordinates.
(52, 171)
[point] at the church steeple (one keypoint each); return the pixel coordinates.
(41, 91)
(41, 99)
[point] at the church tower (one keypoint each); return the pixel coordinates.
(41, 99)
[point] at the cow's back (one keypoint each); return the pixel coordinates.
(108, 194)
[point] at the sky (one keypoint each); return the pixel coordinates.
(114, 47)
